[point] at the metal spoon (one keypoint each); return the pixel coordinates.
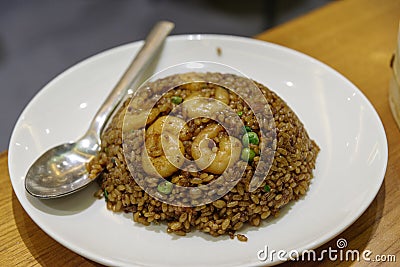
(62, 170)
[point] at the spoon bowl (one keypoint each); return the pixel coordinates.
(62, 170)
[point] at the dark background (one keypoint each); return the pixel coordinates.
(40, 39)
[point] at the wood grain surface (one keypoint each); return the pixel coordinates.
(355, 37)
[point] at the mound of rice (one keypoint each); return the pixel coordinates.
(287, 180)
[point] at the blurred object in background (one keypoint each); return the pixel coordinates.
(394, 89)
(40, 39)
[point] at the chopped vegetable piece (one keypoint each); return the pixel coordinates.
(247, 154)
(165, 187)
(105, 194)
(247, 128)
(267, 188)
(240, 113)
(176, 100)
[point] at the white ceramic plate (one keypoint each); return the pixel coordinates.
(349, 172)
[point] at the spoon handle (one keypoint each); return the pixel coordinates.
(152, 44)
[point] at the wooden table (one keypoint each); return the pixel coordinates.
(355, 37)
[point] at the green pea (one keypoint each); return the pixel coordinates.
(245, 140)
(247, 154)
(250, 137)
(176, 100)
(253, 138)
(165, 187)
(240, 113)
